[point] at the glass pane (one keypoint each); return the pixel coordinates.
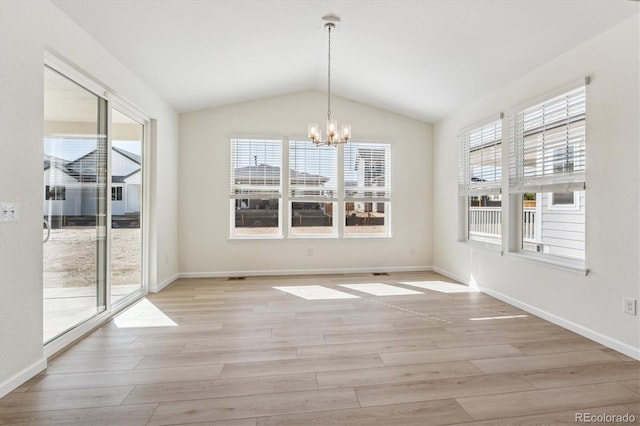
(485, 218)
(255, 216)
(365, 218)
(312, 218)
(556, 230)
(74, 201)
(126, 205)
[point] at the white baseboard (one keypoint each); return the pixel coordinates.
(562, 322)
(272, 272)
(24, 375)
(164, 283)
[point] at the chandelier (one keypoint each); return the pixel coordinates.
(315, 134)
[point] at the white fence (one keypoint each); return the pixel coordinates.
(486, 222)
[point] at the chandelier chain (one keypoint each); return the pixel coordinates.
(329, 77)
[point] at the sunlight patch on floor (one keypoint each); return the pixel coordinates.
(143, 314)
(498, 318)
(441, 286)
(378, 289)
(315, 292)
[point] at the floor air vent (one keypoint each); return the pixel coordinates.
(236, 278)
(378, 274)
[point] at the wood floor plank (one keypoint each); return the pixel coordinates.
(132, 377)
(560, 418)
(63, 399)
(588, 374)
(272, 368)
(378, 347)
(416, 414)
(222, 357)
(454, 354)
(236, 422)
(554, 346)
(633, 384)
(440, 389)
(165, 392)
(546, 361)
(171, 413)
(242, 342)
(389, 375)
(418, 333)
(294, 330)
(547, 400)
(131, 415)
(70, 365)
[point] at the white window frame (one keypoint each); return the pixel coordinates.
(383, 194)
(545, 177)
(255, 191)
(481, 135)
(324, 168)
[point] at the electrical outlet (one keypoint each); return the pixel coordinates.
(8, 212)
(629, 305)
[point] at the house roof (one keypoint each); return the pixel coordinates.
(83, 167)
(272, 174)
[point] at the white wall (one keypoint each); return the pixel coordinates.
(205, 248)
(592, 304)
(27, 29)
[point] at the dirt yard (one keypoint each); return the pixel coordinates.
(70, 257)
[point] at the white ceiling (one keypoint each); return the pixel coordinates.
(423, 59)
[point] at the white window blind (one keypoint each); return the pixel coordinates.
(480, 160)
(312, 172)
(256, 168)
(548, 145)
(367, 171)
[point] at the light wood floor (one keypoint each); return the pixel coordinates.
(244, 353)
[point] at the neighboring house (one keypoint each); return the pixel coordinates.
(370, 167)
(71, 190)
(267, 176)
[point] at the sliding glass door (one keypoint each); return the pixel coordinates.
(127, 137)
(92, 198)
(75, 204)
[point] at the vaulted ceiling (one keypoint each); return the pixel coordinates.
(423, 59)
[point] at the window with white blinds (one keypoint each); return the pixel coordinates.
(367, 171)
(256, 168)
(480, 160)
(256, 188)
(367, 189)
(312, 172)
(547, 166)
(548, 145)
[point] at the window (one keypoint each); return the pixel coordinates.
(55, 192)
(479, 181)
(256, 187)
(116, 193)
(547, 170)
(367, 188)
(313, 189)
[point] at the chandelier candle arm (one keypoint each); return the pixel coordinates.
(333, 136)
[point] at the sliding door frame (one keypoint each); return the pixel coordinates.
(112, 101)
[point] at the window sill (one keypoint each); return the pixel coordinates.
(365, 236)
(576, 266)
(313, 237)
(256, 237)
(492, 248)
